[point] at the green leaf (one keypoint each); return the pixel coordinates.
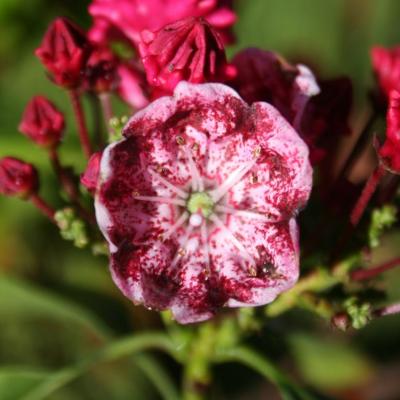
(329, 364)
(20, 299)
(16, 382)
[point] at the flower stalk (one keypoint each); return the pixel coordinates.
(43, 206)
(81, 123)
(365, 274)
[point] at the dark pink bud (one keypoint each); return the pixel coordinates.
(341, 321)
(390, 151)
(63, 52)
(17, 178)
(91, 175)
(42, 122)
(386, 65)
(101, 71)
(187, 50)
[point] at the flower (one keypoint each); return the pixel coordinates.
(63, 52)
(267, 76)
(198, 202)
(188, 49)
(390, 151)
(118, 19)
(42, 122)
(386, 65)
(17, 178)
(90, 177)
(101, 71)
(326, 116)
(131, 85)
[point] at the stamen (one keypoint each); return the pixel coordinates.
(197, 181)
(206, 248)
(242, 251)
(245, 213)
(182, 248)
(180, 221)
(165, 200)
(234, 178)
(169, 185)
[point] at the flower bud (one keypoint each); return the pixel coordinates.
(64, 51)
(17, 178)
(100, 71)
(42, 122)
(91, 175)
(186, 50)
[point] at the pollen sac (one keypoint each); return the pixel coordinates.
(189, 229)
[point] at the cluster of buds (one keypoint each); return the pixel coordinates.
(198, 199)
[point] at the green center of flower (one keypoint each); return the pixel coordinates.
(200, 201)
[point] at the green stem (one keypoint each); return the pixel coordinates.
(157, 376)
(264, 367)
(111, 352)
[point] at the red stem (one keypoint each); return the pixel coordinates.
(366, 194)
(364, 274)
(43, 206)
(81, 123)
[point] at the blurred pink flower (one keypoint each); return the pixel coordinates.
(189, 49)
(386, 65)
(131, 85)
(390, 151)
(116, 19)
(42, 122)
(198, 202)
(63, 52)
(17, 178)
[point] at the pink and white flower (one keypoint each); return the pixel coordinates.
(198, 202)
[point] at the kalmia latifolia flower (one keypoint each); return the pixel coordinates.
(63, 52)
(390, 151)
(188, 49)
(116, 19)
(266, 76)
(198, 202)
(17, 178)
(386, 65)
(42, 122)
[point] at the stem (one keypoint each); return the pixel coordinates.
(366, 194)
(358, 149)
(364, 274)
(43, 206)
(158, 377)
(68, 185)
(97, 121)
(81, 123)
(108, 114)
(264, 367)
(112, 352)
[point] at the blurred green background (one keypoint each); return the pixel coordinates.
(58, 303)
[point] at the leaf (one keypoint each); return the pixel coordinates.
(328, 363)
(16, 382)
(20, 299)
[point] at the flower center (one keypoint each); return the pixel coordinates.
(200, 202)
